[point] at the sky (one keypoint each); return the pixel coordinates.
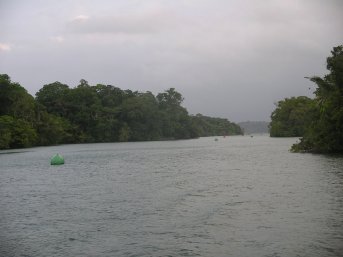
(228, 58)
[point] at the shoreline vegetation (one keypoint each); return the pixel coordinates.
(318, 121)
(97, 114)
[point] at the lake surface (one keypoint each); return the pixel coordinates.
(238, 196)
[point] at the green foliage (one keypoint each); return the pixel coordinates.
(16, 133)
(325, 134)
(124, 133)
(170, 99)
(17, 115)
(6, 123)
(318, 121)
(52, 97)
(53, 130)
(14, 100)
(208, 126)
(101, 113)
(291, 117)
(141, 114)
(23, 134)
(175, 119)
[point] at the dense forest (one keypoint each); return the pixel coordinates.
(318, 121)
(101, 113)
(291, 117)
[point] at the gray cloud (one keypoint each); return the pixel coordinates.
(232, 59)
(119, 24)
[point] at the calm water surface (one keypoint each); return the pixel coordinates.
(238, 196)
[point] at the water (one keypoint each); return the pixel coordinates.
(238, 196)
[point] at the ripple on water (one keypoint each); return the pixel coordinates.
(233, 197)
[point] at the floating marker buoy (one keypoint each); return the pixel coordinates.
(57, 159)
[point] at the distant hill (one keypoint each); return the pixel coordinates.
(251, 127)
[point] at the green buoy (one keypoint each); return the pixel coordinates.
(57, 159)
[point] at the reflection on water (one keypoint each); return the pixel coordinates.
(12, 152)
(238, 196)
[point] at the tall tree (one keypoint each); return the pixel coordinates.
(326, 131)
(53, 97)
(15, 101)
(292, 117)
(175, 119)
(17, 115)
(142, 116)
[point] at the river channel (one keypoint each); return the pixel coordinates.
(239, 196)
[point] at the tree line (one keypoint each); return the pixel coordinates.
(318, 121)
(101, 113)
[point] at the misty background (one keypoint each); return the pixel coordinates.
(231, 59)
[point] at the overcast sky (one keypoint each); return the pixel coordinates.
(228, 58)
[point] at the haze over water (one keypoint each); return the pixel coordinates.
(238, 196)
